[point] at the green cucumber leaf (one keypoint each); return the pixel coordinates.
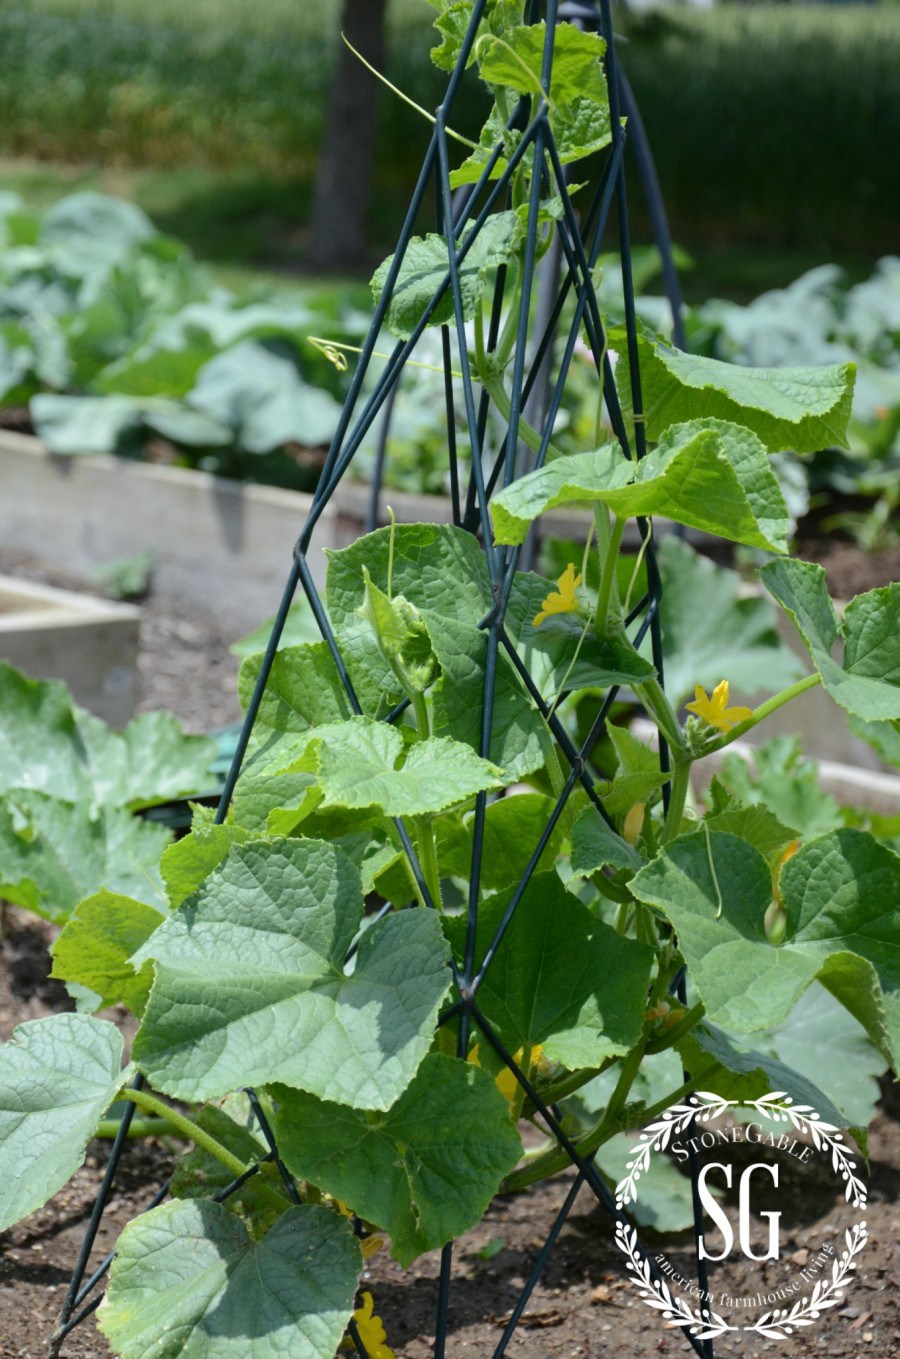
(866, 682)
(96, 946)
(708, 474)
(356, 765)
(638, 773)
(823, 1042)
(804, 409)
(757, 825)
(425, 269)
(512, 828)
(560, 978)
(189, 1283)
(881, 736)
(728, 637)
(494, 133)
(665, 1202)
(578, 103)
(303, 689)
(54, 853)
(442, 571)
(424, 1171)
(515, 58)
(251, 985)
(574, 478)
(742, 1073)
(187, 863)
(454, 17)
(783, 780)
(57, 1078)
(839, 892)
(595, 845)
(819, 1042)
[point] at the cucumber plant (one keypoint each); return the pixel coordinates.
(424, 917)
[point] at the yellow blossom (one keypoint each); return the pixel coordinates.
(788, 853)
(505, 1080)
(563, 600)
(714, 708)
(634, 823)
(371, 1332)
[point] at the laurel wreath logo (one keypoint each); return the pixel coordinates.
(704, 1107)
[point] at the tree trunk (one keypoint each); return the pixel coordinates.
(344, 175)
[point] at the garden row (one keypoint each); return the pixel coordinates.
(120, 343)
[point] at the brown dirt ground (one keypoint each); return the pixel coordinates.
(583, 1305)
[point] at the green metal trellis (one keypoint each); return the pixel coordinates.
(576, 248)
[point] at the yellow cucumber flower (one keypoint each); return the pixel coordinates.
(563, 600)
(714, 708)
(371, 1332)
(634, 823)
(505, 1080)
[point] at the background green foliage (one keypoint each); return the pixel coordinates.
(777, 138)
(781, 132)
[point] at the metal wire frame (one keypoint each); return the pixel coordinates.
(578, 247)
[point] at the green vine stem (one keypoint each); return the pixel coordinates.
(556, 1159)
(428, 858)
(108, 1128)
(568, 1084)
(771, 705)
(681, 782)
(491, 382)
(669, 1037)
(182, 1126)
(652, 695)
(609, 541)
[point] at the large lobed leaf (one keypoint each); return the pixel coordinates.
(442, 571)
(560, 977)
(425, 1170)
(50, 745)
(804, 409)
(188, 1282)
(866, 681)
(840, 895)
(96, 946)
(54, 853)
(362, 763)
(57, 1077)
(578, 106)
(251, 985)
(709, 474)
(422, 284)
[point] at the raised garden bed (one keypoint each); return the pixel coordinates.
(90, 643)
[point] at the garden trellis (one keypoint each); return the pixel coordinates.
(464, 218)
(434, 684)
